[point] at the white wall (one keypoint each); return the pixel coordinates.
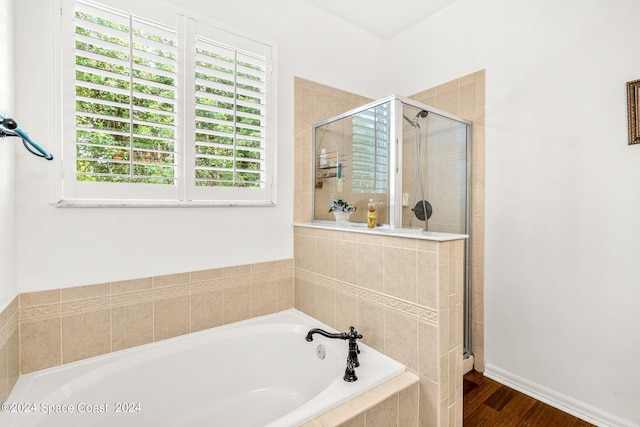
(8, 283)
(69, 247)
(562, 198)
(562, 189)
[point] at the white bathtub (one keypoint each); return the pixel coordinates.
(259, 372)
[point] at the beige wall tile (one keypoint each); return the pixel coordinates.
(428, 350)
(305, 297)
(408, 406)
(31, 299)
(306, 253)
(264, 266)
(384, 414)
(400, 242)
(343, 414)
(238, 270)
(84, 292)
(427, 277)
(357, 421)
(401, 337)
(345, 260)
(40, 345)
(326, 305)
(284, 294)
(443, 332)
(284, 264)
(369, 266)
(325, 253)
(170, 280)
(346, 311)
(171, 317)
(133, 285)
(131, 325)
(263, 298)
(86, 335)
(4, 369)
(13, 359)
(443, 286)
(429, 403)
(371, 324)
(236, 304)
(203, 275)
(400, 273)
(206, 310)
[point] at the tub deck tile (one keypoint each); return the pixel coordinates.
(354, 410)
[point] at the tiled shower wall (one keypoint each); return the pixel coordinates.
(9, 349)
(405, 296)
(464, 97)
(313, 102)
(64, 325)
(442, 166)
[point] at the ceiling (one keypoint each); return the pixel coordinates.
(384, 18)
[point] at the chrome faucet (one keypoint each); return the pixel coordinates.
(352, 356)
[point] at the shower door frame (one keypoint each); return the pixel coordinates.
(395, 181)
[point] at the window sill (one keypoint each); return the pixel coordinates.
(159, 204)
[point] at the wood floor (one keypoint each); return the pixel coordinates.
(488, 403)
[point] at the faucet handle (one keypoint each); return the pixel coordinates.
(353, 334)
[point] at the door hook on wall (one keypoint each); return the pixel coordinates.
(9, 127)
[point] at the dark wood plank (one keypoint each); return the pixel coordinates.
(489, 403)
(500, 398)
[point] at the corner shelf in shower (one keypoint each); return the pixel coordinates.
(323, 175)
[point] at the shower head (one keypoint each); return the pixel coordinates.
(9, 127)
(421, 115)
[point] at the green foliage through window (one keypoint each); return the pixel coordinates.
(129, 125)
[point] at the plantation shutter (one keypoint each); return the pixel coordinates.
(230, 116)
(166, 110)
(371, 150)
(126, 98)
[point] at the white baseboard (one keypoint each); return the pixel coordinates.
(555, 399)
(467, 364)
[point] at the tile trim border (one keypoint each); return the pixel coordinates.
(421, 312)
(8, 328)
(49, 311)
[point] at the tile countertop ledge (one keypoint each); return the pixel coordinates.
(410, 233)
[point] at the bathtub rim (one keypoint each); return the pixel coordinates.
(299, 318)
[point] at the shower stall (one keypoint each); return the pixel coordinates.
(413, 160)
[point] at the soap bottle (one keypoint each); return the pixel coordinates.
(323, 158)
(371, 214)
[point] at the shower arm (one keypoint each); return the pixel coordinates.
(9, 127)
(421, 114)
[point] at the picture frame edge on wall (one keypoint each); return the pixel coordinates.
(633, 115)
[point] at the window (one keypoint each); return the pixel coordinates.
(173, 111)
(371, 150)
(230, 110)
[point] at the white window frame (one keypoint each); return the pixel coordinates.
(372, 142)
(66, 191)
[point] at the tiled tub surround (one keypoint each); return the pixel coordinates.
(215, 297)
(393, 403)
(64, 325)
(464, 97)
(404, 295)
(133, 373)
(9, 349)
